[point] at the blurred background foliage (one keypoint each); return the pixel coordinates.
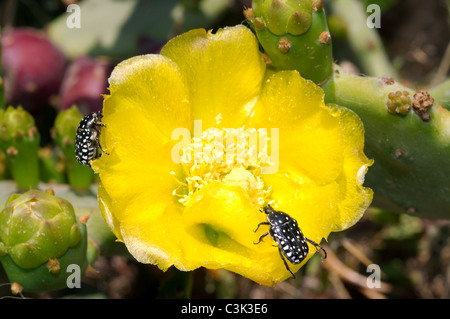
(413, 254)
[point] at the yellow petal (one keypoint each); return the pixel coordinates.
(314, 207)
(223, 72)
(220, 222)
(148, 101)
(215, 231)
(147, 90)
(354, 197)
(321, 159)
(153, 233)
(199, 77)
(104, 201)
(309, 136)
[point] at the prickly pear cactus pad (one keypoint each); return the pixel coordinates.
(408, 136)
(40, 237)
(407, 131)
(187, 202)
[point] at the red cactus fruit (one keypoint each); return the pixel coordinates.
(85, 81)
(33, 68)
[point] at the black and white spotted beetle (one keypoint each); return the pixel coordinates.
(87, 139)
(290, 240)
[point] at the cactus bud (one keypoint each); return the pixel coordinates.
(283, 17)
(64, 131)
(302, 24)
(19, 139)
(40, 236)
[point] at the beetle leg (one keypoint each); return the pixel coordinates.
(285, 262)
(263, 223)
(261, 238)
(103, 151)
(318, 247)
(97, 141)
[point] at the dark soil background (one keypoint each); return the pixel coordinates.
(416, 35)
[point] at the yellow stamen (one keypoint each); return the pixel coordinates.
(229, 156)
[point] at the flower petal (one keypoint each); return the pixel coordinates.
(148, 101)
(153, 233)
(200, 76)
(354, 198)
(223, 71)
(220, 222)
(309, 136)
(215, 231)
(321, 159)
(314, 207)
(147, 88)
(104, 203)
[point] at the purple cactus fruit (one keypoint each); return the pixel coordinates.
(85, 80)
(33, 68)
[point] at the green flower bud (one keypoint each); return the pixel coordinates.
(283, 17)
(39, 237)
(64, 131)
(66, 123)
(302, 24)
(16, 124)
(19, 140)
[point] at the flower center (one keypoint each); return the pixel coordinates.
(231, 156)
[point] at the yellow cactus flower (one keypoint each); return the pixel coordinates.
(200, 138)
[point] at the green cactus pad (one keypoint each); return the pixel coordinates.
(411, 151)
